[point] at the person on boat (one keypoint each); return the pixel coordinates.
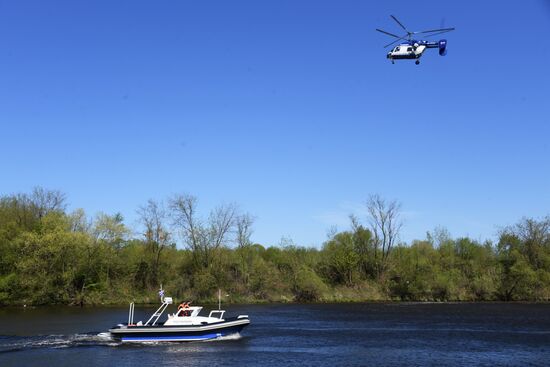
(184, 307)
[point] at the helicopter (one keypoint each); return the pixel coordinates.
(411, 49)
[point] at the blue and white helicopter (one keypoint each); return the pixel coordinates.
(411, 49)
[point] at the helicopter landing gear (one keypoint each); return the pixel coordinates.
(417, 62)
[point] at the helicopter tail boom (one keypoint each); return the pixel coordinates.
(441, 45)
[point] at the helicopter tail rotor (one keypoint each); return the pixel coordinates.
(442, 47)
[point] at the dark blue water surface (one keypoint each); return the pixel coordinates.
(305, 335)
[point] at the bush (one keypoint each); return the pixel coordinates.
(308, 286)
(204, 283)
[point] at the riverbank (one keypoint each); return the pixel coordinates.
(338, 295)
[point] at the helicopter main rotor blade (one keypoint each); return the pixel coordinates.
(436, 30)
(435, 34)
(393, 35)
(389, 44)
(398, 22)
(388, 33)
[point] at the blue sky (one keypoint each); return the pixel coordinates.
(288, 108)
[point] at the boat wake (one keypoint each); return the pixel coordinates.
(20, 343)
(10, 344)
(235, 336)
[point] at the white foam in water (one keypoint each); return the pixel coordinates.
(105, 336)
(64, 341)
(235, 336)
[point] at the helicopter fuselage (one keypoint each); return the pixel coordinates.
(406, 51)
(413, 50)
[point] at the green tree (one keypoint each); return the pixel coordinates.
(340, 259)
(363, 245)
(517, 276)
(111, 229)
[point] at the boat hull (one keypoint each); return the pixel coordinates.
(162, 333)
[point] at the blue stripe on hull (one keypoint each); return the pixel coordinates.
(175, 338)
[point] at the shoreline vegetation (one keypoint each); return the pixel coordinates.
(50, 256)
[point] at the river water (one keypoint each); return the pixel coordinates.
(307, 335)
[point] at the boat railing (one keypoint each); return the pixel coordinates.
(166, 301)
(131, 314)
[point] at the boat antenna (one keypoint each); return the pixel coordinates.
(219, 299)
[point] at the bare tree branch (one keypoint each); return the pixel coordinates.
(203, 237)
(183, 210)
(221, 219)
(45, 201)
(154, 218)
(386, 224)
(244, 230)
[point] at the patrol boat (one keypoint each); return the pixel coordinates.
(181, 326)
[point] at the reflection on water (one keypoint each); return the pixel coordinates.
(349, 334)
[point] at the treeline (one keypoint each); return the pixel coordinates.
(51, 256)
